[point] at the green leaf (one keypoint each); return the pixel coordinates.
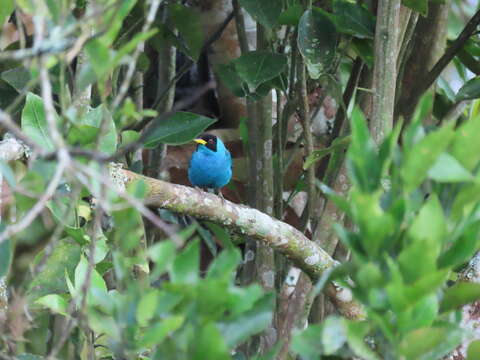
(34, 122)
(82, 134)
(51, 279)
(463, 248)
(17, 77)
(363, 163)
(96, 280)
(354, 19)
(7, 173)
(129, 136)
(114, 17)
(209, 344)
(473, 352)
(257, 67)
(470, 90)
(291, 15)
(465, 145)
(264, 12)
(421, 157)
(460, 294)
(324, 339)
(431, 343)
(317, 155)
(448, 170)
(187, 21)
(146, 307)
(186, 265)
(420, 6)
(162, 254)
(157, 333)
(364, 49)
(225, 264)
(356, 333)
(6, 252)
(179, 128)
(249, 323)
(5, 10)
(99, 56)
(231, 79)
(95, 117)
(56, 303)
(317, 40)
(132, 45)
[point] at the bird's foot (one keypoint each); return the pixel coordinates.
(199, 189)
(221, 197)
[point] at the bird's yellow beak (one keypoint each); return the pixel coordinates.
(200, 141)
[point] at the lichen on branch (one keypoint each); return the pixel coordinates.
(253, 223)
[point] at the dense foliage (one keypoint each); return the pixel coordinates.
(372, 156)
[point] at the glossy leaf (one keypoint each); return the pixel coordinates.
(257, 67)
(353, 19)
(177, 129)
(265, 12)
(34, 122)
(317, 40)
(470, 90)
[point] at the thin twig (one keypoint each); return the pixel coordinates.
(154, 5)
(42, 202)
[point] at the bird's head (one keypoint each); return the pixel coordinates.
(207, 141)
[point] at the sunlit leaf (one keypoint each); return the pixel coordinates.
(317, 40)
(34, 122)
(55, 303)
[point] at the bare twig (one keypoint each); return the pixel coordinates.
(154, 5)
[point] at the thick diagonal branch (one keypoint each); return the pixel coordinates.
(276, 234)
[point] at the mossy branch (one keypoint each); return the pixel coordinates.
(253, 223)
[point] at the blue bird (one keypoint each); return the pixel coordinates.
(211, 163)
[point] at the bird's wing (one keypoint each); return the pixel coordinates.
(229, 158)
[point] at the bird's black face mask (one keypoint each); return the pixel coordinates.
(211, 141)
